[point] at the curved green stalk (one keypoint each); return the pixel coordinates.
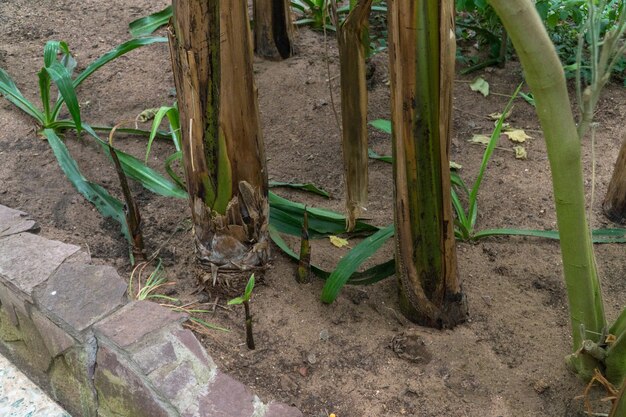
(544, 74)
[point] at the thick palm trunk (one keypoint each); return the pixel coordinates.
(421, 51)
(352, 39)
(222, 146)
(615, 200)
(273, 30)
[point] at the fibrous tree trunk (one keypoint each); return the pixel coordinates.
(273, 29)
(615, 200)
(422, 51)
(223, 155)
(353, 41)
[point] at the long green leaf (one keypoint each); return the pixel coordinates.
(105, 59)
(147, 25)
(63, 80)
(10, 91)
(107, 205)
(287, 217)
(493, 141)
(176, 156)
(369, 276)
(312, 188)
(352, 260)
(52, 49)
(44, 93)
(382, 125)
(156, 122)
(116, 53)
(138, 171)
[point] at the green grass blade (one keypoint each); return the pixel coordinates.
(52, 49)
(352, 260)
(44, 93)
(10, 91)
(174, 118)
(156, 122)
(63, 80)
(147, 25)
(460, 212)
(312, 188)
(138, 171)
(107, 205)
(493, 141)
(115, 53)
(382, 125)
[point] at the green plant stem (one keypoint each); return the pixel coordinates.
(249, 336)
(546, 79)
(303, 273)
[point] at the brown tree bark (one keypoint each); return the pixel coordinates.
(273, 29)
(223, 154)
(421, 51)
(615, 200)
(352, 41)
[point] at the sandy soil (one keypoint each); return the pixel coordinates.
(506, 361)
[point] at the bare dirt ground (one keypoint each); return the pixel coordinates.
(506, 361)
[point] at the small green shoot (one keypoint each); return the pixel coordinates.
(245, 300)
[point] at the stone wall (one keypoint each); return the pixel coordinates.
(70, 326)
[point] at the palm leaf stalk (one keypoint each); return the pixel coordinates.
(353, 43)
(422, 50)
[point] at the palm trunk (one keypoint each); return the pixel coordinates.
(223, 152)
(352, 39)
(273, 30)
(615, 199)
(422, 51)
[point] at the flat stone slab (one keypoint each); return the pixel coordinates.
(76, 294)
(15, 221)
(27, 260)
(134, 321)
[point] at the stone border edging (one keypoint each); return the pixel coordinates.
(70, 326)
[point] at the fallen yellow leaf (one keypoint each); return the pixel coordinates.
(517, 135)
(520, 152)
(480, 139)
(497, 115)
(455, 166)
(338, 241)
